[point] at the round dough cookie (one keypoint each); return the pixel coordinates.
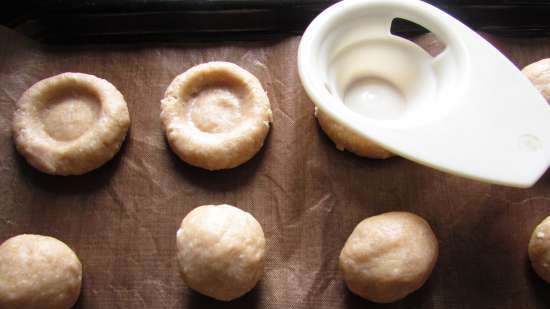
(346, 139)
(220, 251)
(70, 124)
(539, 74)
(539, 249)
(389, 256)
(216, 115)
(38, 272)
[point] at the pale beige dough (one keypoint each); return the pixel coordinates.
(220, 251)
(216, 115)
(70, 124)
(539, 74)
(345, 139)
(388, 256)
(38, 272)
(539, 249)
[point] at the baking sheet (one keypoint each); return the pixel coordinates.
(122, 218)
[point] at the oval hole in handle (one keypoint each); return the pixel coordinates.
(419, 35)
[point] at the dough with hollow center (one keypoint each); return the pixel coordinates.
(345, 139)
(220, 251)
(388, 256)
(539, 74)
(70, 124)
(38, 272)
(539, 249)
(215, 115)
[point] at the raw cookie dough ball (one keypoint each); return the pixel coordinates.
(216, 115)
(539, 249)
(220, 251)
(70, 124)
(38, 272)
(389, 256)
(346, 139)
(539, 74)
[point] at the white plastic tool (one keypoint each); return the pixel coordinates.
(468, 111)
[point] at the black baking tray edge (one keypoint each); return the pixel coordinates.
(67, 21)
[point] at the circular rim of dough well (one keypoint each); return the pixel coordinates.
(46, 260)
(539, 75)
(216, 150)
(244, 254)
(88, 151)
(539, 249)
(345, 139)
(390, 277)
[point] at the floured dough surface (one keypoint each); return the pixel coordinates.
(70, 124)
(539, 74)
(345, 139)
(216, 115)
(388, 256)
(539, 249)
(220, 251)
(38, 272)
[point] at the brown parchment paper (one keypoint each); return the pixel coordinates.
(122, 218)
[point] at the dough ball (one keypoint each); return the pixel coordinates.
(38, 272)
(389, 256)
(346, 139)
(220, 251)
(539, 74)
(70, 124)
(539, 249)
(215, 115)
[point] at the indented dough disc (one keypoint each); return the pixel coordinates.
(70, 124)
(216, 115)
(539, 74)
(388, 256)
(539, 249)
(38, 272)
(345, 139)
(220, 251)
